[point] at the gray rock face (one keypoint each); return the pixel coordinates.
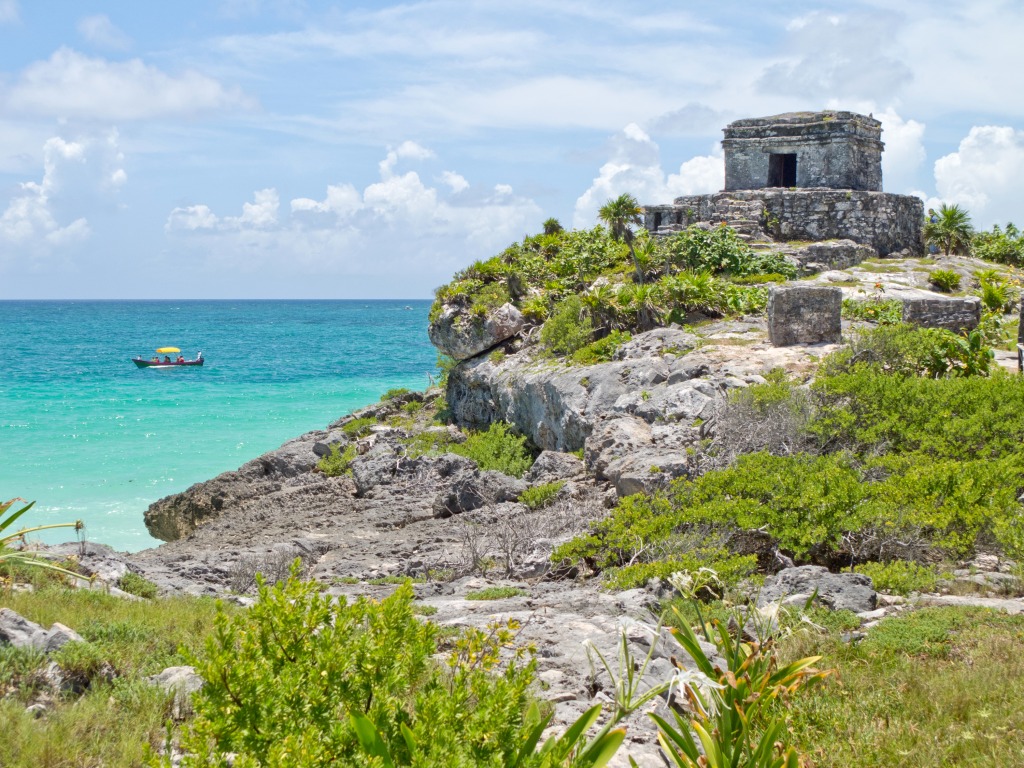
(557, 407)
(93, 559)
(838, 591)
(955, 313)
(804, 315)
(459, 335)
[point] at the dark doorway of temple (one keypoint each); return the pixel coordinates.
(782, 170)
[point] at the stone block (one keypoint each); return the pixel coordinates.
(804, 315)
(955, 313)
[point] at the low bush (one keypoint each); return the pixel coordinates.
(568, 329)
(539, 496)
(881, 311)
(901, 577)
(338, 462)
(393, 393)
(359, 427)
(945, 280)
(602, 350)
(134, 584)
(497, 448)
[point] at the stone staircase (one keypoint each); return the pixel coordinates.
(744, 216)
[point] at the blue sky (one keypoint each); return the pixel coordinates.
(290, 149)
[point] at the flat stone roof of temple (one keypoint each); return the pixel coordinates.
(805, 119)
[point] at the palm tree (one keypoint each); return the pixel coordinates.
(552, 226)
(950, 229)
(620, 214)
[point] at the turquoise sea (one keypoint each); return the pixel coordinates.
(89, 436)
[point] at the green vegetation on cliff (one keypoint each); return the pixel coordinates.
(583, 285)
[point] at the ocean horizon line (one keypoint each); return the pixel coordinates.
(165, 300)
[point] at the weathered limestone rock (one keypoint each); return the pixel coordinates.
(838, 591)
(551, 466)
(813, 258)
(954, 313)
(182, 682)
(461, 336)
(557, 407)
(804, 315)
(477, 489)
(18, 631)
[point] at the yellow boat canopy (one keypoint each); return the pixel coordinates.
(167, 350)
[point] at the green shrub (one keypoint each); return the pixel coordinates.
(359, 427)
(602, 350)
(945, 280)
(759, 278)
(496, 593)
(1001, 246)
(539, 496)
(413, 406)
(730, 568)
(134, 584)
(393, 393)
(881, 311)
(901, 577)
(337, 462)
(497, 448)
(568, 329)
(300, 680)
(996, 295)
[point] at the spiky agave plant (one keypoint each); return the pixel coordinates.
(10, 557)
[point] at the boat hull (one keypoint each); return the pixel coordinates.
(159, 364)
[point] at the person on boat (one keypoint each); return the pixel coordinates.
(181, 358)
(199, 356)
(156, 359)
(167, 358)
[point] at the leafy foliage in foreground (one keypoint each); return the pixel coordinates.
(497, 448)
(301, 681)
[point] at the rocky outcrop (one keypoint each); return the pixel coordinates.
(838, 591)
(462, 335)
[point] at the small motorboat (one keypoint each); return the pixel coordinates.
(167, 361)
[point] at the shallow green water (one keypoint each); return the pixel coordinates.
(89, 436)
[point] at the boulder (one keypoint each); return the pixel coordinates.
(476, 489)
(552, 466)
(460, 335)
(92, 559)
(613, 440)
(838, 591)
(182, 682)
(17, 631)
(59, 636)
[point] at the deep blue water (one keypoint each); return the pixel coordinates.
(89, 436)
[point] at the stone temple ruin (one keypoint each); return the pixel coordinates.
(804, 176)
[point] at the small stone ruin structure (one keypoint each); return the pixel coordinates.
(804, 150)
(803, 176)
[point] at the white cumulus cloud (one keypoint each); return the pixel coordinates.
(635, 167)
(985, 174)
(70, 84)
(396, 226)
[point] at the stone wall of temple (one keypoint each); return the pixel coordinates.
(886, 222)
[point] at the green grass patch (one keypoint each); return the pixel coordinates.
(393, 393)
(497, 448)
(901, 577)
(338, 462)
(134, 584)
(496, 593)
(939, 686)
(359, 427)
